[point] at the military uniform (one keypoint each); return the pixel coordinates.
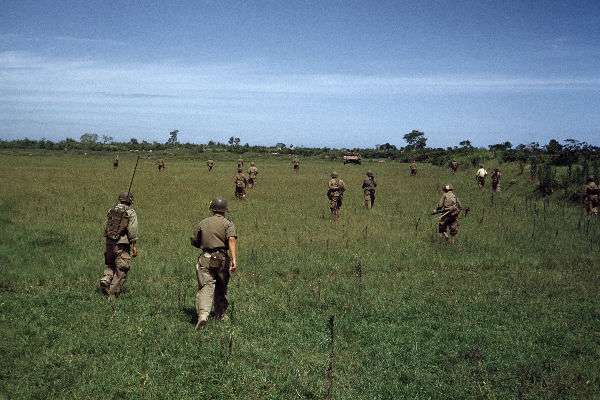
(210, 164)
(121, 233)
(240, 163)
(413, 168)
(161, 164)
(496, 175)
(240, 181)
(480, 176)
(116, 162)
(335, 194)
(369, 185)
(591, 198)
(296, 164)
(454, 166)
(449, 206)
(252, 174)
(212, 235)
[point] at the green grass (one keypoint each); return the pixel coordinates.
(511, 311)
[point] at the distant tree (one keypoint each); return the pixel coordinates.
(415, 139)
(553, 147)
(88, 138)
(231, 140)
(280, 146)
(500, 146)
(386, 147)
(236, 141)
(173, 138)
(466, 144)
(211, 143)
(133, 141)
(107, 139)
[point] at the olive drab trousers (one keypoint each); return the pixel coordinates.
(213, 277)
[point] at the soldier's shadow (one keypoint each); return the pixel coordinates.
(189, 313)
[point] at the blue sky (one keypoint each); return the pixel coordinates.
(339, 74)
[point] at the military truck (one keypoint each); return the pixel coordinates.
(352, 159)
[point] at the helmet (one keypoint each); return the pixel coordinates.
(239, 170)
(218, 204)
(590, 178)
(126, 198)
(480, 165)
(334, 174)
(447, 188)
(370, 173)
(253, 164)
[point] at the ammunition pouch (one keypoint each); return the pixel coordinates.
(214, 259)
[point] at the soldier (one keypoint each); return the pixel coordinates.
(240, 163)
(241, 182)
(296, 163)
(116, 162)
(210, 164)
(480, 176)
(413, 168)
(161, 164)
(121, 232)
(252, 174)
(335, 194)
(496, 175)
(217, 239)
(454, 166)
(449, 207)
(591, 199)
(369, 185)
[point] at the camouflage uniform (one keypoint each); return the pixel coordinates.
(369, 185)
(449, 206)
(161, 164)
(591, 198)
(454, 166)
(121, 233)
(413, 168)
(496, 175)
(296, 164)
(335, 194)
(212, 235)
(252, 174)
(240, 181)
(240, 163)
(116, 162)
(210, 164)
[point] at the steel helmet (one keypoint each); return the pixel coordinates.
(218, 204)
(334, 174)
(126, 198)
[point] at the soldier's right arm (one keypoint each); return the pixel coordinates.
(132, 227)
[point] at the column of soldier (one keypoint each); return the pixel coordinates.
(216, 236)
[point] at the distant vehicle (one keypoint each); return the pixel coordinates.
(352, 159)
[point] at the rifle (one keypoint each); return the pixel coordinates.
(133, 175)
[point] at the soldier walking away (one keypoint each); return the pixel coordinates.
(591, 196)
(161, 164)
(116, 162)
(413, 168)
(369, 185)
(240, 163)
(296, 164)
(496, 175)
(454, 166)
(241, 182)
(252, 174)
(210, 164)
(121, 233)
(480, 176)
(449, 207)
(217, 239)
(335, 194)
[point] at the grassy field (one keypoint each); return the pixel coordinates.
(512, 311)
